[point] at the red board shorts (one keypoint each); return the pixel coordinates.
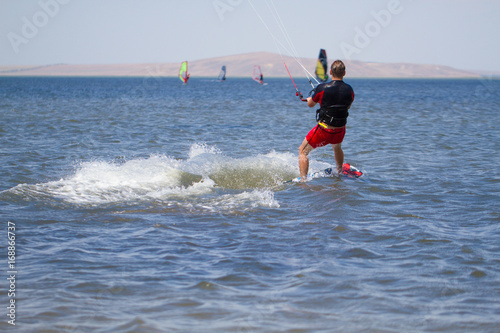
(319, 136)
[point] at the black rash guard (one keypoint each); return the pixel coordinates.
(334, 98)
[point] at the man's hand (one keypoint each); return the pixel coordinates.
(310, 102)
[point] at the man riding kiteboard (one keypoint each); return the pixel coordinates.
(335, 99)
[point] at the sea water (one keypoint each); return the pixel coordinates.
(145, 205)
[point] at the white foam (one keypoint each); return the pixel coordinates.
(207, 180)
(241, 202)
(101, 182)
(202, 148)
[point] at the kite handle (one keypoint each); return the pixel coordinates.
(298, 93)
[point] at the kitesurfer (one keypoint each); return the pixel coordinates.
(334, 98)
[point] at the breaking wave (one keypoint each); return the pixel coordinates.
(206, 179)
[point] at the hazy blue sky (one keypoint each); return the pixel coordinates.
(459, 33)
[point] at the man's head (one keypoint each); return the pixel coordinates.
(338, 69)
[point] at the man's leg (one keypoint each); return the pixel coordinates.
(339, 156)
(304, 150)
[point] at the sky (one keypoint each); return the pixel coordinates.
(463, 34)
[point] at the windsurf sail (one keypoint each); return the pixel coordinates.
(257, 74)
(222, 74)
(183, 72)
(322, 66)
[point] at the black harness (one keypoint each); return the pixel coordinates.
(333, 115)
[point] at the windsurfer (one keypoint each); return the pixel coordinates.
(335, 98)
(322, 66)
(183, 72)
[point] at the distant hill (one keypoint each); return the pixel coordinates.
(241, 65)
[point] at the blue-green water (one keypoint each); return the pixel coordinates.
(142, 205)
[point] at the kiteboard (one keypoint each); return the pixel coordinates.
(347, 171)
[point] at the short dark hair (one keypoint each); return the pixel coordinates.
(338, 69)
